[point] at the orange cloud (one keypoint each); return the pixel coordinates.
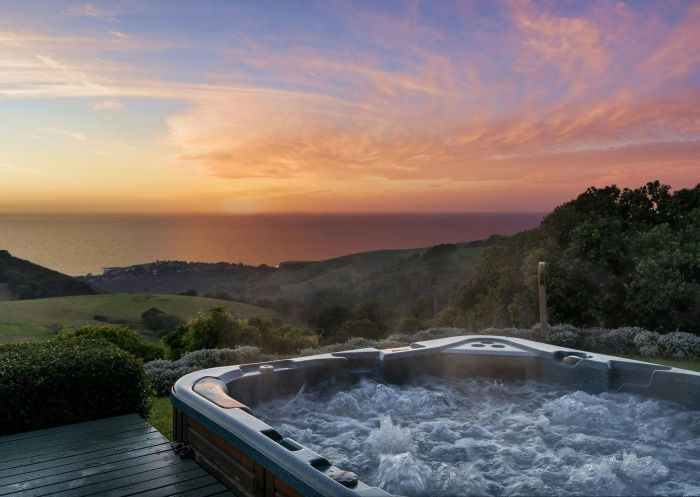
(400, 110)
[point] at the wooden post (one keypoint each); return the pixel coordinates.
(543, 298)
(435, 301)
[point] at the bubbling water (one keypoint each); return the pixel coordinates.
(441, 437)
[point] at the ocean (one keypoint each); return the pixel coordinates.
(78, 244)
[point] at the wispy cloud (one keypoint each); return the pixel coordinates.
(108, 105)
(88, 10)
(18, 169)
(467, 94)
(74, 135)
(120, 35)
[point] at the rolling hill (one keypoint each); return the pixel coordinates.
(20, 279)
(22, 320)
(398, 278)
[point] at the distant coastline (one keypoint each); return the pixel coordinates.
(80, 244)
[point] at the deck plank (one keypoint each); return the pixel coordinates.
(84, 427)
(206, 491)
(62, 437)
(59, 455)
(85, 459)
(78, 445)
(120, 456)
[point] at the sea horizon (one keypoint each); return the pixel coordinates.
(79, 244)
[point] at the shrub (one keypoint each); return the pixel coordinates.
(163, 374)
(210, 358)
(58, 382)
(440, 332)
(351, 344)
(564, 335)
(156, 320)
(218, 328)
(121, 336)
(289, 340)
(617, 341)
(679, 345)
(177, 342)
(410, 324)
(359, 328)
(528, 334)
(646, 343)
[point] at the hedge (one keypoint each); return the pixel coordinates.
(57, 382)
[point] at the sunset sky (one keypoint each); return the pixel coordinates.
(342, 106)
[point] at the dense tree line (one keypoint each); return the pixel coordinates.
(615, 257)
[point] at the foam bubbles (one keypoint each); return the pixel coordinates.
(484, 437)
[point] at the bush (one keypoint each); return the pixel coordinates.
(58, 382)
(218, 328)
(441, 332)
(410, 325)
(359, 328)
(351, 344)
(289, 340)
(679, 345)
(156, 320)
(163, 374)
(646, 343)
(617, 341)
(210, 358)
(564, 335)
(121, 336)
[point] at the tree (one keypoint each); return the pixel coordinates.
(373, 311)
(330, 319)
(615, 257)
(156, 320)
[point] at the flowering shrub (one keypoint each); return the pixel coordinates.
(210, 358)
(564, 335)
(679, 345)
(163, 374)
(352, 343)
(617, 341)
(441, 332)
(646, 343)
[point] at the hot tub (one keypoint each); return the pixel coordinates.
(213, 408)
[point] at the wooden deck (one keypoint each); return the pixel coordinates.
(117, 456)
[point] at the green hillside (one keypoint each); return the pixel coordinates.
(5, 293)
(20, 279)
(397, 278)
(22, 320)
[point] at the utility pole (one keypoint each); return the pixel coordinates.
(543, 298)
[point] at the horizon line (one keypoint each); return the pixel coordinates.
(269, 213)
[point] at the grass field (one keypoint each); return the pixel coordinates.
(25, 320)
